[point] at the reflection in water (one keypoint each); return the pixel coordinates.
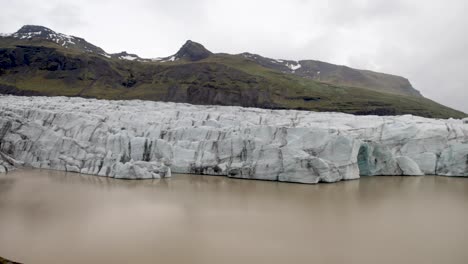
(55, 217)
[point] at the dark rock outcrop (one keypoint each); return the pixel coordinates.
(193, 51)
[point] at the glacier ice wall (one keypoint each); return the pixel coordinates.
(141, 139)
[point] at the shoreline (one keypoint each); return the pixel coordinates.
(127, 180)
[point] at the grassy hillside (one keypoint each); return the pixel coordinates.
(338, 75)
(42, 68)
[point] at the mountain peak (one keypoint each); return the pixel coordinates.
(36, 32)
(193, 51)
(26, 29)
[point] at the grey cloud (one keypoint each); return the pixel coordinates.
(65, 15)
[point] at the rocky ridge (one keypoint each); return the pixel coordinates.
(33, 32)
(63, 40)
(140, 140)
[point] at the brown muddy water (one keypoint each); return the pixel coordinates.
(58, 217)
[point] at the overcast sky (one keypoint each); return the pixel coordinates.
(425, 41)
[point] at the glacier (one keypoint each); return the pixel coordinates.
(148, 140)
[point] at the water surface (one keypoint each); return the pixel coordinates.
(55, 217)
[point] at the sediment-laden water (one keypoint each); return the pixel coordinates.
(55, 217)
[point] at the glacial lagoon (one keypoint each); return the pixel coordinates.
(58, 217)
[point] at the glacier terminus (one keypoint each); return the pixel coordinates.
(137, 139)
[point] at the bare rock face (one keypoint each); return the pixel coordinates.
(192, 51)
(141, 140)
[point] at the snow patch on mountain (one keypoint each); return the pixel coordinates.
(293, 66)
(170, 59)
(62, 39)
(250, 56)
(129, 57)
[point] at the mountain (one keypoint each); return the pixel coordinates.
(339, 75)
(190, 51)
(31, 32)
(38, 61)
(37, 34)
(193, 51)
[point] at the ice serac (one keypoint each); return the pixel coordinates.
(146, 140)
